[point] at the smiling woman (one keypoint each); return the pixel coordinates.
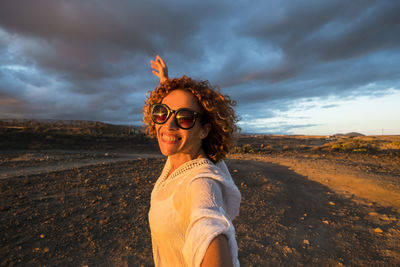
(195, 199)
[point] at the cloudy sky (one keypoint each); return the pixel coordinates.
(294, 67)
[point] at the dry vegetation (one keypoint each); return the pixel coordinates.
(67, 127)
(57, 134)
(325, 144)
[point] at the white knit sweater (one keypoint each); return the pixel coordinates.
(189, 208)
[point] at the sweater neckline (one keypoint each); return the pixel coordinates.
(166, 179)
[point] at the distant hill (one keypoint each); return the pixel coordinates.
(73, 127)
(352, 134)
(72, 134)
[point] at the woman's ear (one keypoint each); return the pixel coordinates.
(206, 128)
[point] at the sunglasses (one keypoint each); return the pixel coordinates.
(184, 118)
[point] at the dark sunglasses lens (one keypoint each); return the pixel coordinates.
(160, 114)
(185, 118)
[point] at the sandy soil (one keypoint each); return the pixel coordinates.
(77, 208)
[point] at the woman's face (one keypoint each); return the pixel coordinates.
(174, 141)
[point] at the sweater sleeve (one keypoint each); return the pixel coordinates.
(207, 221)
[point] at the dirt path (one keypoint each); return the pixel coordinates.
(28, 163)
(370, 187)
(96, 215)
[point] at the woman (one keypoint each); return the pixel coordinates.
(195, 199)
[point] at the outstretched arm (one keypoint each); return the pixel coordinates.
(207, 217)
(159, 68)
(218, 253)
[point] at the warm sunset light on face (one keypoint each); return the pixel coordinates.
(310, 67)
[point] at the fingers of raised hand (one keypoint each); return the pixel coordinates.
(155, 65)
(160, 69)
(160, 61)
(156, 73)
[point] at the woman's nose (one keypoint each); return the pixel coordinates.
(170, 123)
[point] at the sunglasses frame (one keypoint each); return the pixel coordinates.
(175, 112)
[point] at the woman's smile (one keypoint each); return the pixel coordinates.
(170, 138)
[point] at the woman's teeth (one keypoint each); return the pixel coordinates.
(169, 138)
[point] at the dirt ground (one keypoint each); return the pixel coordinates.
(85, 208)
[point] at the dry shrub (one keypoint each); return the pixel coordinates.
(236, 149)
(353, 145)
(394, 145)
(247, 148)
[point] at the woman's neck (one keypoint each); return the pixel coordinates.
(178, 159)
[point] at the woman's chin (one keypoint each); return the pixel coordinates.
(167, 152)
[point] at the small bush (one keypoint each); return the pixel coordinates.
(394, 145)
(336, 146)
(353, 145)
(247, 148)
(236, 149)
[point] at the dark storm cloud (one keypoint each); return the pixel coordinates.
(315, 32)
(99, 37)
(126, 24)
(90, 59)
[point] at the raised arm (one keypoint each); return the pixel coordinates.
(160, 69)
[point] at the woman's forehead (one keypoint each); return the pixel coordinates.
(181, 99)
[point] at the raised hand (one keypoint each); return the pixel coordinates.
(159, 68)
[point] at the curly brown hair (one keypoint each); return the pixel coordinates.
(218, 110)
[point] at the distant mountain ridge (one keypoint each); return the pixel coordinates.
(351, 134)
(22, 122)
(67, 127)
